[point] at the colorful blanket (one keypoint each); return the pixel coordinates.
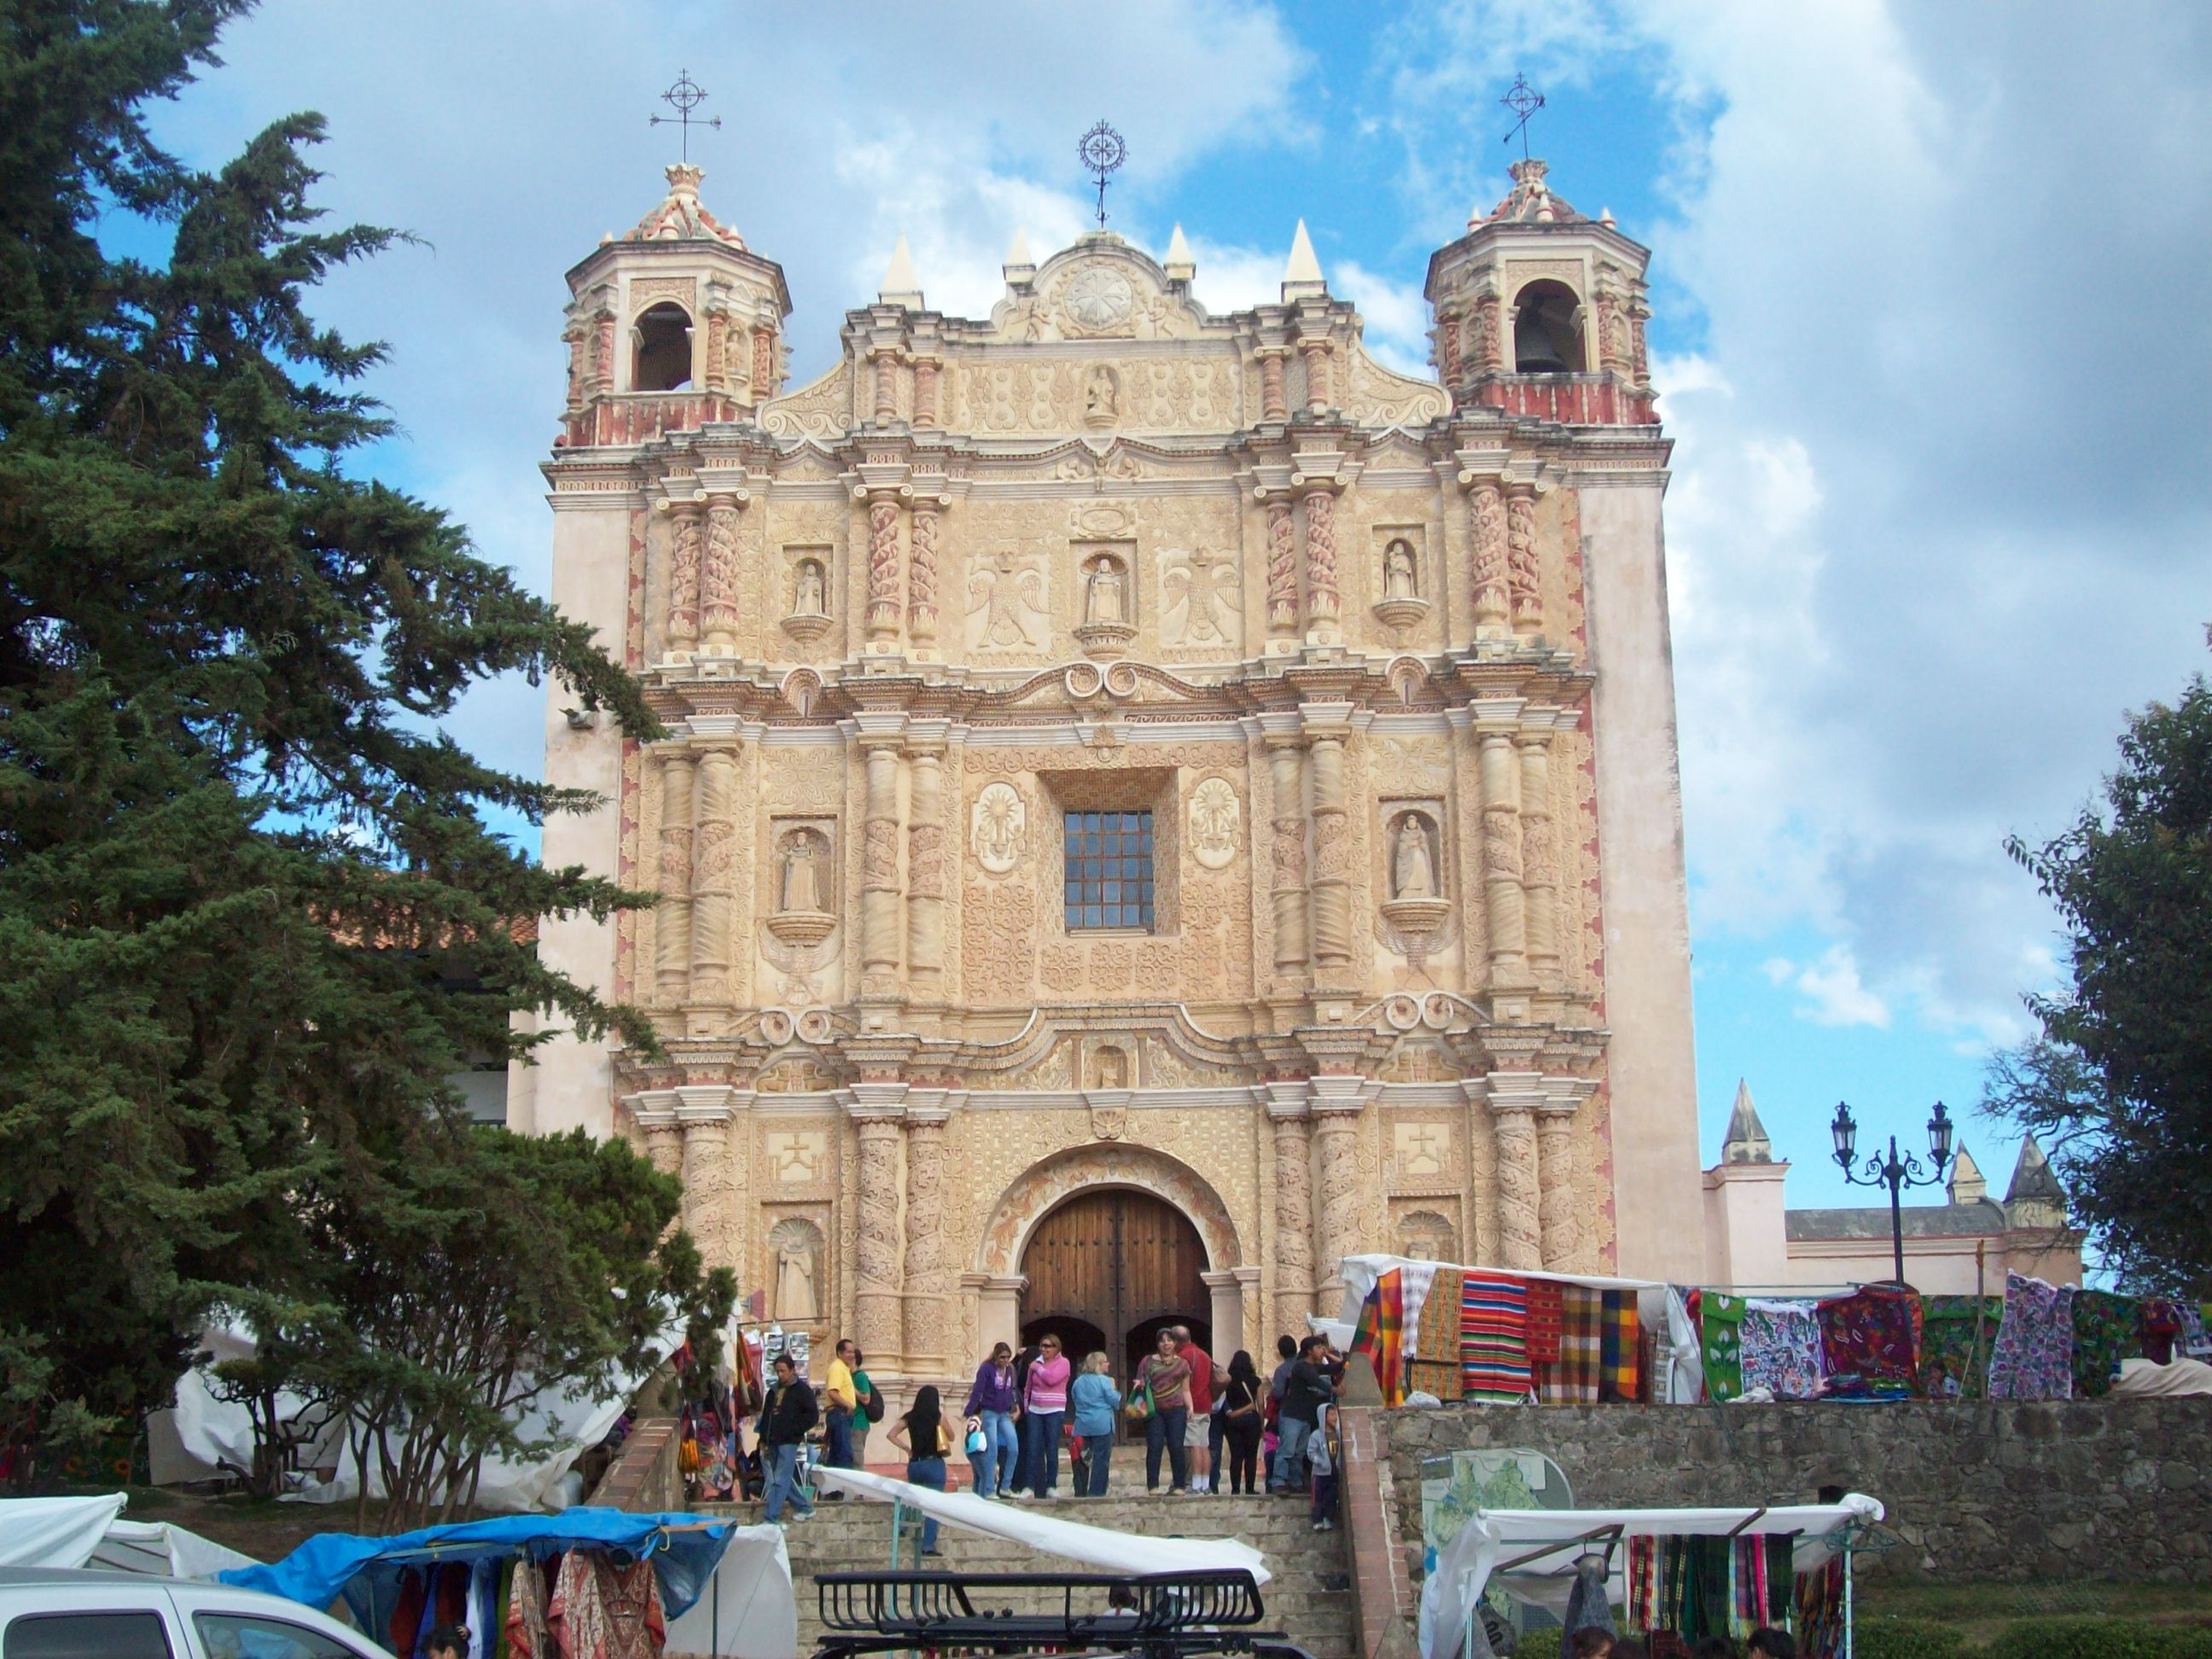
(1380, 1335)
(2033, 1355)
(1721, 1321)
(1620, 1353)
(1572, 1378)
(1949, 1368)
(1547, 1315)
(1493, 1338)
(2106, 1330)
(1782, 1349)
(1434, 1367)
(1872, 1334)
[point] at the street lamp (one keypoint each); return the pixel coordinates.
(1894, 1172)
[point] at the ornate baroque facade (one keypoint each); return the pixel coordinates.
(1365, 679)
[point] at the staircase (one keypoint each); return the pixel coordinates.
(1309, 1598)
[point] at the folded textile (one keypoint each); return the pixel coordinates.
(1782, 1349)
(1572, 1378)
(2033, 1355)
(1494, 1338)
(1722, 1320)
(2106, 1332)
(1872, 1334)
(1951, 1366)
(2159, 1329)
(2145, 1379)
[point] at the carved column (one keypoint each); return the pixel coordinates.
(672, 932)
(1558, 1204)
(1523, 574)
(929, 1310)
(705, 1137)
(883, 562)
(1288, 849)
(1322, 600)
(1332, 883)
(879, 893)
(1486, 512)
(1501, 860)
(763, 364)
(683, 579)
(924, 874)
(922, 570)
(1336, 1128)
(1273, 404)
(577, 336)
(925, 393)
(1489, 335)
(1540, 864)
(603, 352)
(718, 574)
(1514, 1098)
(1294, 1215)
(886, 365)
(877, 1325)
(1448, 351)
(1316, 352)
(1282, 569)
(714, 881)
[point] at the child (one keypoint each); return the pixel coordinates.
(1324, 1459)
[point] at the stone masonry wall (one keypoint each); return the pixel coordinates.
(1978, 1490)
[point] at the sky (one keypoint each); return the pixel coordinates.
(1937, 521)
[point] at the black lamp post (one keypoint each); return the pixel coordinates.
(1894, 1172)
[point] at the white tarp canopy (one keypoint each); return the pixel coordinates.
(1533, 1553)
(89, 1532)
(1094, 1546)
(748, 1610)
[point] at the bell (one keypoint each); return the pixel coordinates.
(1535, 349)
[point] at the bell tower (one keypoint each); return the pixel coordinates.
(670, 326)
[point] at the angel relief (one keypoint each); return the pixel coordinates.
(1006, 605)
(1202, 599)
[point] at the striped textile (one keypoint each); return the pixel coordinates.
(1621, 1348)
(1380, 1335)
(1434, 1366)
(1571, 1379)
(1493, 1338)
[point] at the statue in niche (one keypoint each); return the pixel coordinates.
(1113, 1069)
(796, 1246)
(802, 875)
(1400, 579)
(1101, 394)
(1103, 601)
(1424, 1235)
(807, 598)
(1412, 870)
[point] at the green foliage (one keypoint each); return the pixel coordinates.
(1905, 1638)
(252, 911)
(2119, 1083)
(2102, 1639)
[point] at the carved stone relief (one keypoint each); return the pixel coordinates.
(1214, 813)
(796, 1253)
(1201, 596)
(799, 1157)
(1007, 605)
(1425, 1236)
(998, 829)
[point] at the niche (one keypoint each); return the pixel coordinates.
(1547, 336)
(663, 333)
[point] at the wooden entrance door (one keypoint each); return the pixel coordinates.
(1112, 1266)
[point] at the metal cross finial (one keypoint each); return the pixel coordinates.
(683, 97)
(1524, 100)
(1102, 151)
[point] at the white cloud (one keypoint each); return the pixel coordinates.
(1835, 996)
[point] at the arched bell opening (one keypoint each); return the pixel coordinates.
(663, 333)
(1547, 336)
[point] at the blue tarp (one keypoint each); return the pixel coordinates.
(683, 1549)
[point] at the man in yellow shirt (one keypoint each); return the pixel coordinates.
(840, 1399)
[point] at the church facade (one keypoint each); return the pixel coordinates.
(1152, 801)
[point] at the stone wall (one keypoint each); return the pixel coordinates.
(1981, 1490)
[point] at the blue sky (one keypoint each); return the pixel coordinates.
(1925, 331)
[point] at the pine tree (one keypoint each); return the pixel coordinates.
(251, 911)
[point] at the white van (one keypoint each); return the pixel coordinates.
(54, 1613)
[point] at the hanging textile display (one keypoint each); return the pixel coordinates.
(602, 1611)
(1722, 1323)
(1547, 1313)
(1782, 1349)
(1572, 1378)
(2104, 1332)
(2159, 1329)
(2033, 1358)
(1620, 1353)
(1434, 1367)
(1380, 1335)
(1951, 1366)
(2196, 1341)
(1820, 1630)
(1700, 1586)
(528, 1623)
(1870, 1340)
(1494, 1338)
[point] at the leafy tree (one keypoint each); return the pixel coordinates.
(2120, 1082)
(251, 909)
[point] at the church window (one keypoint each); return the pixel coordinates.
(1109, 870)
(1547, 336)
(664, 350)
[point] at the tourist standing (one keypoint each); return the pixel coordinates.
(1243, 1417)
(1324, 1457)
(1024, 1357)
(1044, 1409)
(993, 1403)
(921, 1435)
(784, 1420)
(1286, 1354)
(840, 1399)
(1166, 1373)
(1305, 1390)
(1197, 1436)
(1091, 1402)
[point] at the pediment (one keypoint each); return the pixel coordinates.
(1102, 289)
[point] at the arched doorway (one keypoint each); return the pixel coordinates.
(1108, 1267)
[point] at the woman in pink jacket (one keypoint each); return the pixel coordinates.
(1044, 1408)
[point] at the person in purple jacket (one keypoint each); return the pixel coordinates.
(992, 1402)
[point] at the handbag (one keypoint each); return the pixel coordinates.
(976, 1439)
(1139, 1406)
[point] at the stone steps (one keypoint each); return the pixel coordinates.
(1309, 1597)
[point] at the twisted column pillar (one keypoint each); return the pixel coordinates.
(763, 364)
(1540, 863)
(1448, 351)
(673, 928)
(925, 393)
(1332, 852)
(1294, 1212)
(1282, 569)
(922, 570)
(706, 1137)
(718, 573)
(1487, 529)
(884, 561)
(925, 873)
(1288, 852)
(685, 546)
(886, 364)
(714, 881)
(1514, 1098)
(1316, 352)
(877, 1325)
(879, 892)
(1559, 1212)
(1524, 575)
(928, 1316)
(1336, 1128)
(1502, 899)
(1275, 405)
(663, 1140)
(1322, 601)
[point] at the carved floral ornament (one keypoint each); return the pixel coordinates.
(999, 827)
(1214, 815)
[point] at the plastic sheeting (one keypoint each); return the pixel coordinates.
(161, 1551)
(685, 1550)
(748, 1609)
(1492, 1537)
(55, 1532)
(1094, 1546)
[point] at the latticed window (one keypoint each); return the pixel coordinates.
(1110, 870)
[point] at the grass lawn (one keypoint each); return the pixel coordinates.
(265, 1530)
(1983, 1612)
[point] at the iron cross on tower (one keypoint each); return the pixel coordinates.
(1524, 100)
(1103, 151)
(683, 97)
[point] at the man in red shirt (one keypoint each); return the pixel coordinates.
(1202, 1408)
